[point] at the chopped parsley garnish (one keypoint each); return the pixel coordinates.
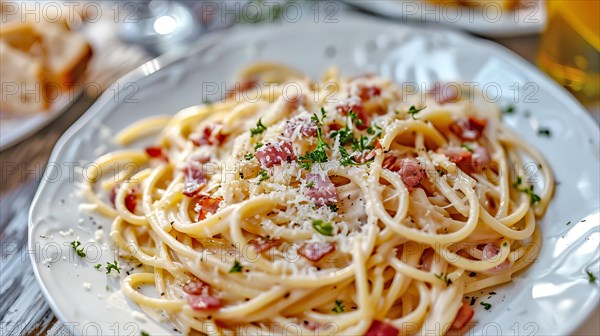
(332, 207)
(143, 333)
(75, 245)
(444, 278)
(346, 158)
(316, 156)
(509, 110)
(316, 119)
(98, 266)
(323, 227)
(236, 268)
(345, 134)
(545, 132)
(355, 119)
(362, 144)
(113, 266)
(339, 307)
(249, 156)
(529, 191)
(591, 276)
(374, 130)
(486, 305)
(310, 184)
(412, 111)
(263, 175)
(467, 147)
(259, 128)
(106, 287)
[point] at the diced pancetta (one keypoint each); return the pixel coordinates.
(409, 169)
(204, 302)
(275, 153)
(210, 135)
(490, 251)
(193, 179)
(379, 328)
(207, 205)
(464, 316)
(322, 191)
(315, 251)
(470, 128)
(196, 287)
(262, 244)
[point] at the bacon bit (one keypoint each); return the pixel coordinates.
(409, 169)
(470, 128)
(207, 205)
(489, 252)
(211, 135)
(155, 152)
(316, 251)
(464, 315)
(358, 108)
(426, 259)
(322, 191)
(379, 328)
(245, 86)
(130, 202)
(389, 163)
(204, 302)
(480, 158)
(335, 127)
(312, 325)
(221, 324)
(130, 198)
(194, 179)
(367, 155)
(460, 156)
(368, 92)
(262, 244)
(467, 161)
(196, 287)
(445, 94)
(307, 128)
(274, 154)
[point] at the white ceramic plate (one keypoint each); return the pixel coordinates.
(553, 296)
(488, 20)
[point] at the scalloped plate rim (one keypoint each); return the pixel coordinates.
(164, 61)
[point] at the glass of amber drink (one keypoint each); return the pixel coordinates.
(570, 47)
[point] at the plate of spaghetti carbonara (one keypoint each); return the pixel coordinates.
(341, 203)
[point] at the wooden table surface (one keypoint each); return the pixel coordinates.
(23, 308)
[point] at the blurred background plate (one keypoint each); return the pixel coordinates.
(553, 296)
(15, 128)
(489, 19)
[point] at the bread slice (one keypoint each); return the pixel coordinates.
(19, 35)
(32, 12)
(42, 58)
(23, 81)
(67, 53)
